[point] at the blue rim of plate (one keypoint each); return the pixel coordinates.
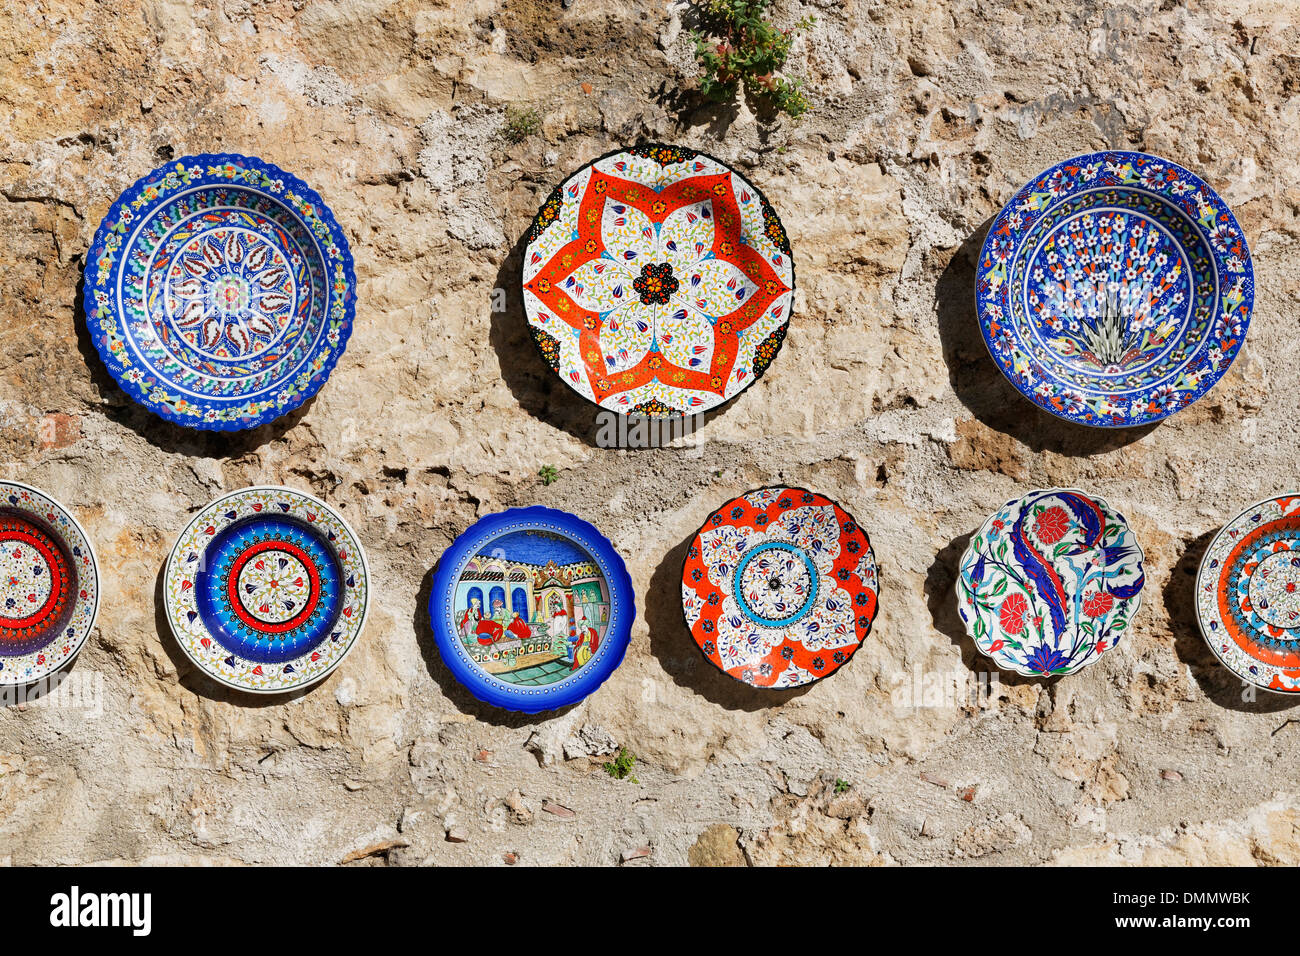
(1180, 368)
(569, 690)
(111, 333)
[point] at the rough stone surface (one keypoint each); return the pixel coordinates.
(927, 117)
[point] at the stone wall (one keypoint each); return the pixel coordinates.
(928, 116)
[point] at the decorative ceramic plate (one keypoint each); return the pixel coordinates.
(219, 291)
(1050, 582)
(1248, 594)
(267, 589)
(532, 609)
(658, 282)
(1114, 289)
(49, 585)
(779, 587)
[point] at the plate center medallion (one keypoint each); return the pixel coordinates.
(1107, 289)
(776, 584)
(36, 586)
(25, 583)
(275, 586)
(1274, 589)
(230, 293)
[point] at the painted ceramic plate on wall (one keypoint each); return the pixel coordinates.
(219, 291)
(1114, 289)
(49, 585)
(1050, 582)
(267, 589)
(1248, 594)
(532, 609)
(779, 587)
(658, 282)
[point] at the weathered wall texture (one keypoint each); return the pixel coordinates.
(928, 117)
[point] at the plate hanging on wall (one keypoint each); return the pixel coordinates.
(1114, 289)
(49, 585)
(1050, 582)
(779, 587)
(267, 589)
(657, 281)
(219, 291)
(1248, 594)
(532, 609)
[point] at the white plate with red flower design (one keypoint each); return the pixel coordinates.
(1050, 582)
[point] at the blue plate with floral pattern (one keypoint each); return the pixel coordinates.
(1114, 289)
(219, 291)
(532, 609)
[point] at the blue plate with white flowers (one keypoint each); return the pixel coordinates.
(219, 291)
(532, 609)
(1114, 289)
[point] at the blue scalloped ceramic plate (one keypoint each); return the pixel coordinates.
(219, 291)
(1114, 289)
(532, 609)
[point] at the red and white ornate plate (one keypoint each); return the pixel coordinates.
(779, 587)
(1248, 594)
(49, 585)
(267, 589)
(658, 282)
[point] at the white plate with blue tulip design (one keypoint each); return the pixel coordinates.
(1050, 582)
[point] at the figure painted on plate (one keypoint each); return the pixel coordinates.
(586, 641)
(499, 612)
(519, 629)
(469, 618)
(559, 618)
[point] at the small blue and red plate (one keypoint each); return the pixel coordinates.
(267, 590)
(49, 585)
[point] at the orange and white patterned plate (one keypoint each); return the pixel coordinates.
(1248, 594)
(779, 587)
(658, 282)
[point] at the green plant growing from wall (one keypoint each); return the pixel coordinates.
(737, 46)
(520, 123)
(548, 474)
(620, 768)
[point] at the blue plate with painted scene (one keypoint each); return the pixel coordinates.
(532, 609)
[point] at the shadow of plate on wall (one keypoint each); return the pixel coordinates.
(681, 658)
(980, 384)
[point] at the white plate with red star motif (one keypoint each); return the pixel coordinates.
(657, 281)
(267, 589)
(49, 585)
